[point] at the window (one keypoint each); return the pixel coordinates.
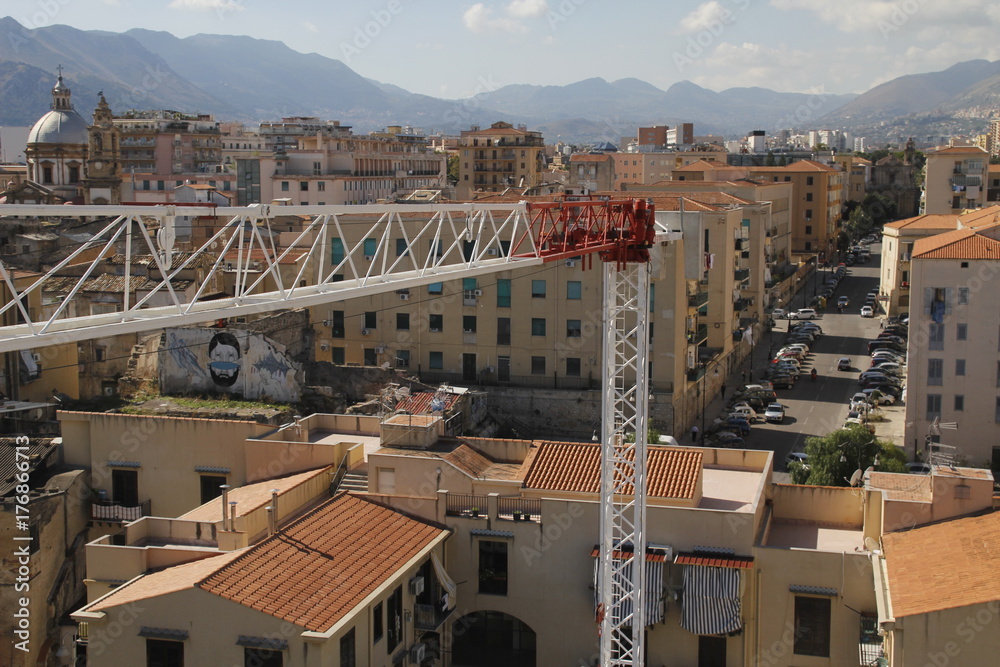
(371, 321)
(809, 229)
(996, 411)
(74, 174)
(284, 186)
(337, 323)
(394, 619)
(537, 289)
(537, 326)
(573, 367)
(493, 567)
(401, 249)
(436, 322)
(963, 296)
(321, 186)
(469, 284)
(809, 181)
(435, 288)
(469, 323)
(303, 186)
(935, 370)
(261, 657)
(370, 246)
(437, 361)
(538, 365)
(47, 175)
(336, 251)
(402, 358)
(377, 619)
(935, 339)
(809, 214)
(960, 367)
(959, 403)
(812, 626)
(159, 185)
(933, 406)
(164, 653)
(338, 356)
(210, 487)
(573, 328)
(503, 293)
(347, 649)
(503, 368)
(402, 321)
(503, 331)
(574, 289)
(809, 196)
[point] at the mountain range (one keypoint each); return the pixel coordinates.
(248, 79)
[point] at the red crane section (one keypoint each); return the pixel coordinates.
(620, 231)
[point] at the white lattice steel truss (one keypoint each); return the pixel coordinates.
(623, 464)
(440, 242)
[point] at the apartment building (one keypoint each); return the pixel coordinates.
(897, 253)
(590, 172)
(956, 179)
(857, 176)
(169, 142)
(952, 355)
(498, 158)
(645, 168)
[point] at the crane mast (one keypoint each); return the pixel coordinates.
(452, 241)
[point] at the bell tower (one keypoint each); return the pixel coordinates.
(103, 181)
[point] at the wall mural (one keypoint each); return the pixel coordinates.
(228, 362)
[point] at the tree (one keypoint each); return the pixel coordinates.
(769, 160)
(833, 458)
(453, 169)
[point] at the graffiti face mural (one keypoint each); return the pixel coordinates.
(224, 359)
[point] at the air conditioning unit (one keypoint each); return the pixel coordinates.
(326, 323)
(416, 585)
(364, 332)
(492, 252)
(37, 357)
(417, 652)
(324, 346)
(404, 297)
(379, 349)
(570, 263)
(490, 369)
(477, 292)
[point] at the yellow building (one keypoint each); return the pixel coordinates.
(498, 158)
(956, 179)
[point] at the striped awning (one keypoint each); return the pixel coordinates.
(654, 604)
(711, 602)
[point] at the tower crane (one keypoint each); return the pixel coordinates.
(440, 242)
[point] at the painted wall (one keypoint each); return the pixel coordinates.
(219, 361)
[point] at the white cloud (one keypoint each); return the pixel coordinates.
(206, 5)
(479, 18)
(527, 8)
(889, 16)
(704, 16)
(760, 65)
(310, 26)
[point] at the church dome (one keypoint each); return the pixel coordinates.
(59, 127)
(62, 125)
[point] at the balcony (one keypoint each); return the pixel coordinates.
(741, 274)
(109, 510)
(460, 504)
(516, 508)
(742, 244)
(698, 300)
(742, 304)
(429, 617)
(699, 335)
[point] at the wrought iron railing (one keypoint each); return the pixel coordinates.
(461, 504)
(519, 509)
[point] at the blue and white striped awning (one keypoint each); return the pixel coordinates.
(711, 602)
(654, 603)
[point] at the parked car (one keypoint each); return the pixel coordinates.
(889, 355)
(783, 380)
(843, 302)
(868, 376)
(890, 368)
(867, 311)
(885, 345)
(775, 413)
(891, 390)
(744, 411)
(779, 313)
(727, 439)
(879, 381)
(880, 397)
(737, 424)
(803, 314)
(844, 364)
(797, 458)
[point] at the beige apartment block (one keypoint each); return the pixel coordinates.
(498, 158)
(653, 167)
(325, 589)
(956, 179)
(590, 172)
(857, 175)
(897, 254)
(953, 355)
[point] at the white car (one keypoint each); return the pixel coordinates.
(883, 398)
(779, 313)
(744, 411)
(800, 458)
(775, 412)
(803, 314)
(867, 311)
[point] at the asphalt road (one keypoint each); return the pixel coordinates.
(817, 408)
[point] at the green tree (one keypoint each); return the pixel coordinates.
(832, 459)
(453, 169)
(769, 161)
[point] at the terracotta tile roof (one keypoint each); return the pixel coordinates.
(170, 580)
(470, 461)
(590, 157)
(412, 420)
(715, 560)
(898, 486)
(959, 150)
(466, 459)
(993, 168)
(799, 165)
(252, 496)
(201, 261)
(944, 566)
(944, 221)
(652, 555)
(980, 218)
(576, 467)
(420, 403)
(331, 559)
(959, 244)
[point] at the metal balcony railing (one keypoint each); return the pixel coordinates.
(698, 300)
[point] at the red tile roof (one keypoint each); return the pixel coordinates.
(652, 555)
(672, 472)
(959, 244)
(739, 562)
(944, 566)
(420, 403)
(321, 567)
(959, 150)
(928, 221)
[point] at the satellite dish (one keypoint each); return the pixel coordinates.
(871, 544)
(856, 477)
(385, 366)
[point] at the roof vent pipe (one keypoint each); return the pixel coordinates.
(270, 520)
(225, 504)
(232, 515)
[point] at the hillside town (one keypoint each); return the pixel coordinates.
(270, 396)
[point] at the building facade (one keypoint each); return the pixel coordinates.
(956, 179)
(498, 158)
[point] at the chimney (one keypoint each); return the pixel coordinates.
(232, 515)
(274, 505)
(225, 504)
(270, 520)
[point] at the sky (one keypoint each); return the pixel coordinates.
(455, 49)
